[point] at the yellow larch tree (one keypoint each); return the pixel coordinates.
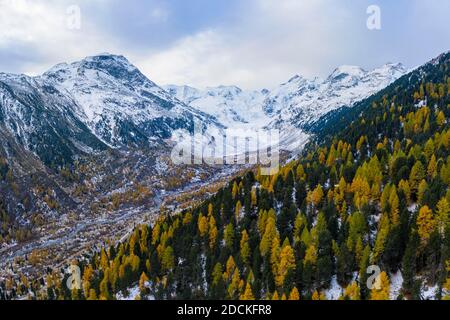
(203, 225)
(381, 289)
(443, 211)
(294, 295)
(352, 292)
(248, 294)
(432, 167)
(245, 247)
(318, 296)
(213, 232)
(286, 265)
(425, 223)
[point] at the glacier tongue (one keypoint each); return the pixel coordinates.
(230, 105)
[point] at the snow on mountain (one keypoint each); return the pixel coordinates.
(38, 117)
(229, 104)
(292, 105)
(91, 105)
(301, 101)
(104, 100)
(119, 103)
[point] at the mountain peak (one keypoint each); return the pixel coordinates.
(346, 71)
(116, 65)
(393, 66)
(389, 70)
(295, 78)
(296, 81)
(107, 57)
(228, 91)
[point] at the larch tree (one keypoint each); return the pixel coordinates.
(294, 295)
(416, 176)
(248, 294)
(432, 167)
(382, 287)
(238, 211)
(275, 296)
(317, 196)
(203, 225)
(233, 288)
(268, 237)
(143, 280)
(383, 232)
(213, 232)
(441, 119)
(235, 190)
(403, 186)
(92, 295)
(425, 224)
(275, 254)
(318, 296)
(394, 204)
(217, 275)
(168, 259)
(423, 187)
(245, 247)
(286, 265)
(352, 292)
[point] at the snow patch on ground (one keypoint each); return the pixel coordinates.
(396, 284)
(335, 291)
(132, 294)
(429, 293)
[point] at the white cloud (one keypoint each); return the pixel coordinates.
(41, 28)
(159, 15)
(260, 44)
(271, 42)
(191, 60)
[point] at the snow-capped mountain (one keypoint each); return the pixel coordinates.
(41, 119)
(300, 101)
(291, 106)
(105, 102)
(119, 104)
(229, 104)
(91, 105)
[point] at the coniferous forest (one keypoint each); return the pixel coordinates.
(372, 189)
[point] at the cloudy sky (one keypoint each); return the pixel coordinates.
(250, 43)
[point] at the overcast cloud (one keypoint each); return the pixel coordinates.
(251, 43)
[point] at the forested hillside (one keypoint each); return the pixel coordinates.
(373, 192)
